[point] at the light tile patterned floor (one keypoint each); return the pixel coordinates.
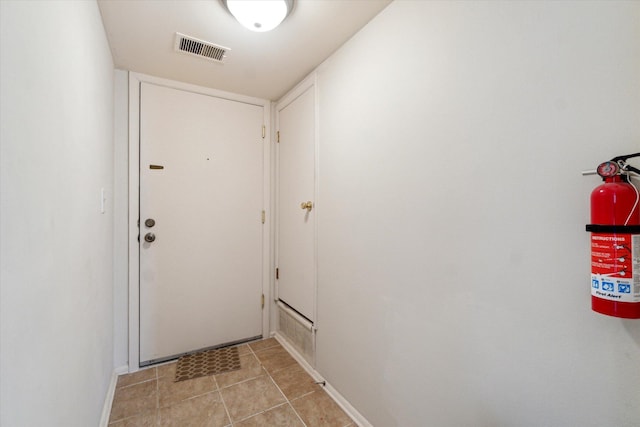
(271, 389)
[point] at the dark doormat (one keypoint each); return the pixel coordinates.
(205, 363)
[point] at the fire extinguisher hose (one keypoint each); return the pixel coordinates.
(635, 205)
(621, 161)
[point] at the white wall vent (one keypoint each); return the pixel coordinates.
(201, 48)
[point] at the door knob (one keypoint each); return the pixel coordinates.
(306, 205)
(149, 237)
(149, 222)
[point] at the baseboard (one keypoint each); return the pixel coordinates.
(108, 399)
(356, 416)
(296, 355)
(124, 369)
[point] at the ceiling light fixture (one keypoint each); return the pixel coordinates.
(259, 15)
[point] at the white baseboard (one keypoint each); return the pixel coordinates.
(108, 399)
(124, 369)
(356, 416)
(296, 355)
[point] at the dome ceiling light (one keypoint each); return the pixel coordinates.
(259, 15)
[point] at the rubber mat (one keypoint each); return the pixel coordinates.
(205, 363)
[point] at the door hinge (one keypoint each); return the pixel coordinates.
(262, 301)
(264, 216)
(278, 137)
(264, 131)
(277, 273)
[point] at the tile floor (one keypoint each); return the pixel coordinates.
(271, 389)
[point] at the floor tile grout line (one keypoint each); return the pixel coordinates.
(277, 344)
(132, 384)
(158, 416)
(254, 353)
(287, 399)
(304, 395)
(264, 411)
(268, 374)
(351, 422)
(188, 398)
(295, 362)
(136, 414)
(264, 371)
(246, 379)
(223, 402)
(217, 389)
(264, 368)
(266, 348)
(296, 412)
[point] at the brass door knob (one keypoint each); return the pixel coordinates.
(306, 205)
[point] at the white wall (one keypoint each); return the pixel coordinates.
(453, 262)
(56, 133)
(121, 221)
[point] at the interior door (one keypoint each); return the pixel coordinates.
(296, 204)
(201, 201)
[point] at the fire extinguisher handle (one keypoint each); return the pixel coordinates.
(625, 157)
(632, 169)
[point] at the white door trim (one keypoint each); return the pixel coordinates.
(135, 79)
(310, 82)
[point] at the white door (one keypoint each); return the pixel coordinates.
(201, 198)
(296, 185)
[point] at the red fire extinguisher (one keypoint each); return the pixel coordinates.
(615, 240)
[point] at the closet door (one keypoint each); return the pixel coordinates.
(296, 277)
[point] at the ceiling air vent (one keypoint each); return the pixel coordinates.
(200, 48)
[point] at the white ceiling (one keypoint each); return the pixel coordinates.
(264, 65)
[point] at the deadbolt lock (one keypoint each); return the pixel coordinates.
(150, 222)
(149, 237)
(306, 205)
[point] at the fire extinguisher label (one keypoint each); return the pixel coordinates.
(615, 266)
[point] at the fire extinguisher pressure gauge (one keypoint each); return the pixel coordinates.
(608, 169)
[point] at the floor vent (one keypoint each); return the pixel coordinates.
(200, 48)
(297, 333)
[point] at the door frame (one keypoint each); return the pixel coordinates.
(135, 80)
(309, 83)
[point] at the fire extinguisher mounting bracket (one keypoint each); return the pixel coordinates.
(624, 229)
